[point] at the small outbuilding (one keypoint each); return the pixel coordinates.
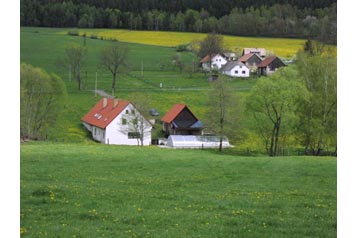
(251, 61)
(190, 141)
(179, 120)
(269, 65)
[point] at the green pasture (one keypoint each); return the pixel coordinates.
(150, 73)
(95, 190)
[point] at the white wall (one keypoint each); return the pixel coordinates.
(218, 61)
(238, 71)
(117, 133)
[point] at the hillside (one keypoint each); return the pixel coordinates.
(76, 190)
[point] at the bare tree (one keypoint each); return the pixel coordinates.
(137, 126)
(221, 109)
(75, 57)
(112, 58)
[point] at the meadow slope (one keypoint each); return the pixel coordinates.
(77, 190)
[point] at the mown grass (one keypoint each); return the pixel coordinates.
(77, 190)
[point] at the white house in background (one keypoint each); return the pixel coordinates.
(214, 61)
(236, 69)
(115, 121)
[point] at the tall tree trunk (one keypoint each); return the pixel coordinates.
(114, 82)
(277, 135)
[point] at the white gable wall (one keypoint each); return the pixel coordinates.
(117, 133)
(238, 71)
(218, 62)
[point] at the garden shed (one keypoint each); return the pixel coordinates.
(192, 141)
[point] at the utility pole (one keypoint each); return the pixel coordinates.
(95, 86)
(142, 68)
(69, 72)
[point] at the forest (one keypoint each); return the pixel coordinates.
(274, 18)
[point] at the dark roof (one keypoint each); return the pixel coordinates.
(103, 113)
(268, 61)
(230, 65)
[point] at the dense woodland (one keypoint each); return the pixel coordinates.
(274, 18)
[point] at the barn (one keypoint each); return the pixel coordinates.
(180, 120)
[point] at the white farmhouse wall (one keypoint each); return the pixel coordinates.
(117, 133)
(218, 62)
(98, 134)
(238, 71)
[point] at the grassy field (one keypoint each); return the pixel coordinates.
(94, 190)
(279, 46)
(44, 47)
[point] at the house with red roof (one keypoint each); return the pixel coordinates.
(269, 65)
(180, 120)
(251, 60)
(115, 121)
(214, 61)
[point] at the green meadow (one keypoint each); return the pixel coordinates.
(74, 187)
(150, 73)
(78, 190)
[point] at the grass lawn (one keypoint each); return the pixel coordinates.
(95, 190)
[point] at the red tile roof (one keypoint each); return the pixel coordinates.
(244, 58)
(174, 112)
(267, 61)
(101, 116)
(207, 58)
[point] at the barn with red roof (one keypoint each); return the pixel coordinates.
(269, 65)
(115, 121)
(180, 120)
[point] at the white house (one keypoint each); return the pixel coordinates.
(214, 61)
(115, 121)
(236, 69)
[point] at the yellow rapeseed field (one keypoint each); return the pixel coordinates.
(279, 46)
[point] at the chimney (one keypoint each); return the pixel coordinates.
(115, 102)
(104, 102)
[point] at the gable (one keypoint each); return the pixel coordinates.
(185, 119)
(104, 112)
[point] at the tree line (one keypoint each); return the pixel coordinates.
(298, 19)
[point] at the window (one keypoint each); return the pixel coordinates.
(124, 121)
(133, 111)
(133, 135)
(236, 71)
(126, 111)
(243, 72)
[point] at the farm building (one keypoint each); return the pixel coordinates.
(115, 121)
(230, 56)
(190, 141)
(251, 60)
(179, 120)
(214, 61)
(236, 69)
(269, 65)
(259, 51)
